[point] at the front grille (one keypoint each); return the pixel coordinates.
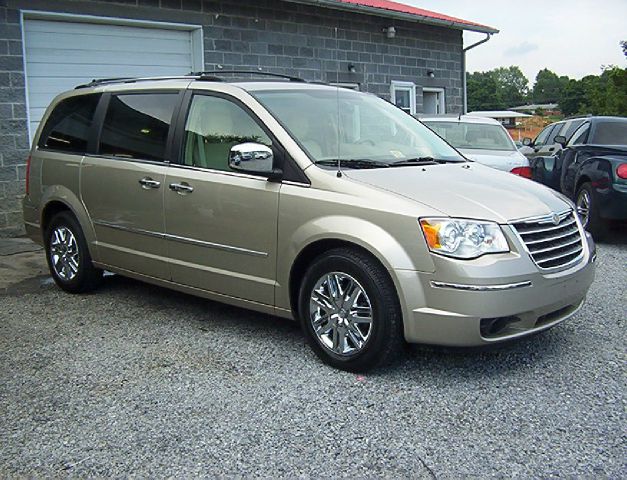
(551, 244)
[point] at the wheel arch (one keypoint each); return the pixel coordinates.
(59, 198)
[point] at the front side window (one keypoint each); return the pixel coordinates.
(137, 125)
(67, 129)
(338, 124)
(214, 126)
(474, 136)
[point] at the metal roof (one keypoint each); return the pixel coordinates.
(498, 114)
(401, 11)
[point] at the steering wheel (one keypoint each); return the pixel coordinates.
(364, 141)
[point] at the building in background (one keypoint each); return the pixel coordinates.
(408, 55)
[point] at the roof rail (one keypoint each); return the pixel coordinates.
(214, 75)
(106, 81)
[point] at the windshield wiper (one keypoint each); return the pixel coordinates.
(352, 163)
(420, 161)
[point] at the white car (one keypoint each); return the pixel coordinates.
(481, 139)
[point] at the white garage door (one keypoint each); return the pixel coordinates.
(63, 54)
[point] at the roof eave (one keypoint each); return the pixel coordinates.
(398, 15)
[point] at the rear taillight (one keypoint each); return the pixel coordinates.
(27, 175)
(522, 171)
(621, 171)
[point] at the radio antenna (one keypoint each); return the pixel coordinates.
(337, 96)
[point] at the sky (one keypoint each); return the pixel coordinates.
(569, 37)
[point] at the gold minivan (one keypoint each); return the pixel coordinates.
(306, 201)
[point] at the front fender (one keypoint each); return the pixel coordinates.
(363, 233)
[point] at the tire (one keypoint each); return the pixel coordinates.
(345, 339)
(68, 256)
(588, 210)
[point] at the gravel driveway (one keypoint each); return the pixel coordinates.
(137, 380)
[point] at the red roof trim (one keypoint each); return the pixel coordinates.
(401, 8)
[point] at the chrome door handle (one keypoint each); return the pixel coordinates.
(182, 188)
(148, 182)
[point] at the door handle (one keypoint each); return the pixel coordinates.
(148, 183)
(181, 188)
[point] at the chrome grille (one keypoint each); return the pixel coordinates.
(553, 241)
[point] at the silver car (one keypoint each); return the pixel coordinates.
(481, 139)
(305, 201)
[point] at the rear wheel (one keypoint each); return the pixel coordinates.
(68, 257)
(349, 311)
(588, 210)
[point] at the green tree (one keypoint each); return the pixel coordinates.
(513, 85)
(483, 92)
(571, 97)
(548, 86)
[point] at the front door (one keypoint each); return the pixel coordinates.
(122, 186)
(221, 223)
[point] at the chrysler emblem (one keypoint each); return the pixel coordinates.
(555, 218)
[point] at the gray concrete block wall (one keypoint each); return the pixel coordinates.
(13, 127)
(312, 42)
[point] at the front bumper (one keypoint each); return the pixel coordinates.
(494, 300)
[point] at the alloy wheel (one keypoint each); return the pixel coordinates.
(340, 313)
(64, 253)
(583, 207)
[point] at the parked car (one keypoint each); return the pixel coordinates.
(592, 170)
(481, 139)
(544, 144)
(348, 214)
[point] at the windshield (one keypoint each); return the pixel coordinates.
(359, 129)
(475, 136)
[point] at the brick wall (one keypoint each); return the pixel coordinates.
(307, 41)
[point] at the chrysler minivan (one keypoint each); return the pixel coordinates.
(305, 201)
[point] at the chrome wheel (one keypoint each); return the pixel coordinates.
(583, 207)
(340, 313)
(64, 253)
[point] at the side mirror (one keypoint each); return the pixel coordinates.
(254, 158)
(526, 141)
(561, 139)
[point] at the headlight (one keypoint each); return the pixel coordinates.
(463, 238)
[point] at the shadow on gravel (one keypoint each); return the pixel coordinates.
(456, 364)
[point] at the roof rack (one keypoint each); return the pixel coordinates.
(214, 75)
(105, 81)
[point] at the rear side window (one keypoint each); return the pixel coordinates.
(610, 133)
(136, 125)
(68, 126)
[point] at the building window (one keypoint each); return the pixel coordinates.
(404, 96)
(433, 101)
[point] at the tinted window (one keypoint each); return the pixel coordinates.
(541, 138)
(571, 127)
(137, 125)
(580, 135)
(67, 128)
(610, 133)
(215, 125)
(554, 133)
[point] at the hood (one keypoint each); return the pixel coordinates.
(466, 190)
(501, 160)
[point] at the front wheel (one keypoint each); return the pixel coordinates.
(588, 210)
(349, 311)
(68, 256)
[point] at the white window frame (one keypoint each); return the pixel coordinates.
(398, 86)
(197, 42)
(441, 100)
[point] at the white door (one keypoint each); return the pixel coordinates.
(60, 54)
(433, 101)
